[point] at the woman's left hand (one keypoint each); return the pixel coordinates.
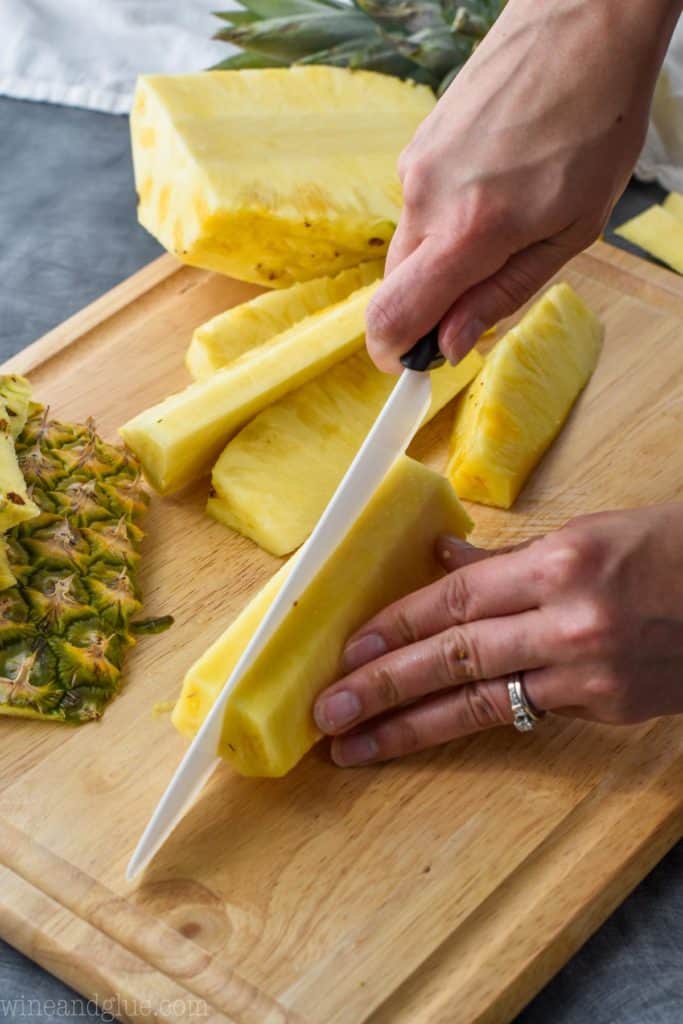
(592, 614)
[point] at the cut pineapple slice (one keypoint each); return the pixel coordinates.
(516, 406)
(230, 334)
(659, 232)
(276, 476)
(276, 175)
(388, 552)
(674, 204)
(178, 440)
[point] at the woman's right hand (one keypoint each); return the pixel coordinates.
(518, 166)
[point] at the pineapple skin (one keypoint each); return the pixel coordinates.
(227, 336)
(275, 478)
(268, 724)
(179, 439)
(15, 504)
(276, 175)
(659, 231)
(515, 408)
(66, 618)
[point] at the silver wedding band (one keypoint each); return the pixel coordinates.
(524, 717)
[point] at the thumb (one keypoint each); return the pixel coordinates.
(499, 296)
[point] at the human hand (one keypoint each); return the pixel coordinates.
(518, 167)
(592, 614)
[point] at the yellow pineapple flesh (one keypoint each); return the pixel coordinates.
(228, 335)
(388, 552)
(659, 231)
(275, 175)
(179, 439)
(673, 204)
(275, 478)
(514, 409)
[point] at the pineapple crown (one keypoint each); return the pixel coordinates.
(425, 40)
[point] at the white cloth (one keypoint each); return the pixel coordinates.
(662, 156)
(88, 53)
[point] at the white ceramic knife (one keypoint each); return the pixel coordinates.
(389, 437)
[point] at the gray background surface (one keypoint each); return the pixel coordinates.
(68, 233)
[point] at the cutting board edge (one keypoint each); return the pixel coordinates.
(188, 965)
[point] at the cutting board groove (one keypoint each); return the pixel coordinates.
(444, 888)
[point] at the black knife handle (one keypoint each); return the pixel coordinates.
(425, 353)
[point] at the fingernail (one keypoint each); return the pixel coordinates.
(360, 652)
(448, 547)
(354, 750)
(336, 711)
(464, 340)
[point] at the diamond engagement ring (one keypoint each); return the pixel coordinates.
(524, 717)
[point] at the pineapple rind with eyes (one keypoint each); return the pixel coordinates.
(66, 623)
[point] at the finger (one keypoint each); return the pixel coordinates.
(483, 589)
(403, 243)
(477, 650)
(419, 291)
(438, 719)
(500, 295)
(453, 552)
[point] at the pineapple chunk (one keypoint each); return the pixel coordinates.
(388, 552)
(516, 406)
(276, 175)
(179, 439)
(230, 334)
(659, 232)
(674, 204)
(276, 476)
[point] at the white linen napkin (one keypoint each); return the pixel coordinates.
(88, 53)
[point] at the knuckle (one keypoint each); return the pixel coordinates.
(404, 162)
(385, 687)
(456, 598)
(590, 626)
(459, 658)
(402, 626)
(481, 710)
(416, 184)
(569, 555)
(607, 691)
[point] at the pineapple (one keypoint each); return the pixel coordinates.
(388, 552)
(275, 478)
(273, 176)
(427, 40)
(15, 504)
(659, 231)
(66, 621)
(514, 409)
(230, 334)
(179, 439)
(674, 204)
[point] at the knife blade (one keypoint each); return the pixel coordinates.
(389, 437)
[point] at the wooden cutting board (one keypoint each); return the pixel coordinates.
(447, 887)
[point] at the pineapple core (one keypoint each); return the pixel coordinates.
(274, 175)
(389, 551)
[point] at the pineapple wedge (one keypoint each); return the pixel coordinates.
(230, 334)
(674, 204)
(658, 231)
(276, 476)
(388, 552)
(179, 439)
(276, 175)
(516, 406)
